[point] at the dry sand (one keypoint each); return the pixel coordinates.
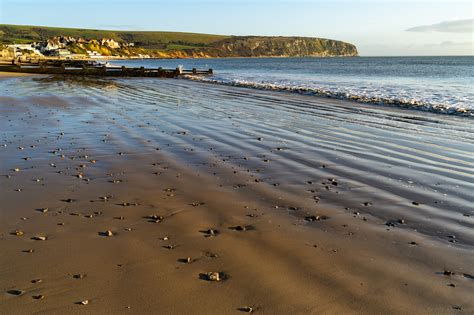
(71, 180)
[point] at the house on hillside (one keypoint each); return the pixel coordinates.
(18, 49)
(110, 43)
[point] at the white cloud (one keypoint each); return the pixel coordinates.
(459, 26)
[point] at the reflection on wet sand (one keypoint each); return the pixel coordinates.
(183, 196)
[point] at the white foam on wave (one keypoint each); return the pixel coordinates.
(371, 95)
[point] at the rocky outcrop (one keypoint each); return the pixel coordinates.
(256, 46)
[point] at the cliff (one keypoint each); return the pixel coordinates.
(256, 46)
(187, 45)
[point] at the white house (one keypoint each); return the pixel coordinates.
(94, 54)
(17, 49)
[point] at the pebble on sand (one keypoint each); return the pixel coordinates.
(312, 218)
(155, 218)
(210, 232)
(213, 276)
(39, 238)
(242, 228)
(18, 233)
(15, 292)
(246, 309)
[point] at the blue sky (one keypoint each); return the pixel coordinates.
(376, 27)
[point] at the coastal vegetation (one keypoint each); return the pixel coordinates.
(178, 44)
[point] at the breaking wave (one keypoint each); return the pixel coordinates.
(349, 94)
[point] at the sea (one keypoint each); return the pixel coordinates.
(442, 85)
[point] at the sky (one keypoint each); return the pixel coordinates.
(377, 28)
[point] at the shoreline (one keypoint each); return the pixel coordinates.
(300, 213)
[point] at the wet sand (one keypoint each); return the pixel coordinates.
(4, 75)
(302, 205)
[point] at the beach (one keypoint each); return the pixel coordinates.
(129, 195)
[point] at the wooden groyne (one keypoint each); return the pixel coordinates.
(88, 68)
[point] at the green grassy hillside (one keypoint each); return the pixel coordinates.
(26, 34)
(185, 45)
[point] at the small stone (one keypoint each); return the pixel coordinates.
(213, 276)
(19, 233)
(313, 218)
(44, 210)
(246, 309)
(40, 238)
(38, 297)
(79, 276)
(108, 233)
(415, 203)
(186, 260)
(84, 302)
(36, 281)
(156, 218)
(16, 292)
(16, 169)
(448, 273)
(211, 232)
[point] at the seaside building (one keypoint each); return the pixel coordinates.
(18, 49)
(94, 54)
(61, 52)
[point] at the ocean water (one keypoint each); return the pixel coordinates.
(436, 84)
